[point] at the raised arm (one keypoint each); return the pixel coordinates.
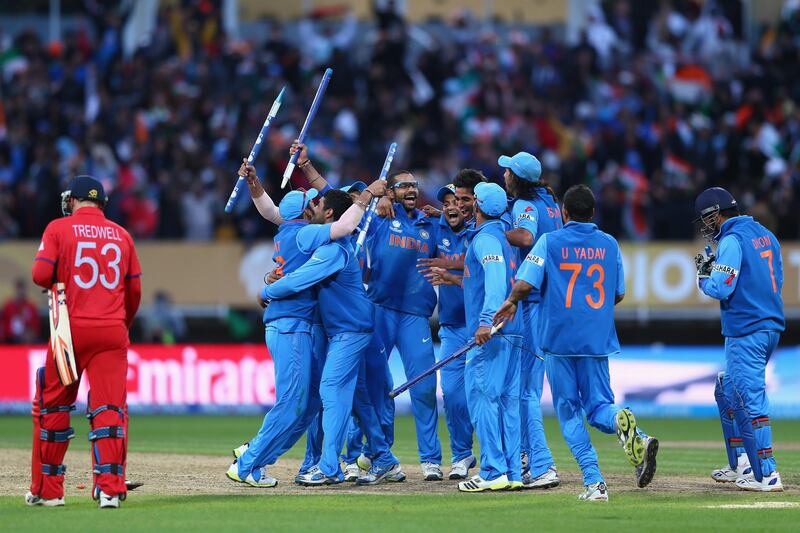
(264, 204)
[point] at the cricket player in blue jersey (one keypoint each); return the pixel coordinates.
(492, 368)
(404, 303)
(333, 269)
(578, 270)
(289, 333)
(746, 276)
(534, 212)
(451, 245)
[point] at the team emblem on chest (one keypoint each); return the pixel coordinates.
(424, 234)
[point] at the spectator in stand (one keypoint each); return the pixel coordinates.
(19, 321)
(654, 102)
(163, 322)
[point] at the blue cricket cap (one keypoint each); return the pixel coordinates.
(491, 198)
(87, 188)
(294, 203)
(523, 164)
(444, 191)
(713, 199)
(358, 186)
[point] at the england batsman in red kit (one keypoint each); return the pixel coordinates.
(96, 260)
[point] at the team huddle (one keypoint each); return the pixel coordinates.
(524, 287)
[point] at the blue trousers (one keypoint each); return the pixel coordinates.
(314, 410)
(741, 391)
(289, 342)
(337, 389)
(581, 385)
(455, 393)
(534, 441)
(491, 376)
(412, 336)
(376, 384)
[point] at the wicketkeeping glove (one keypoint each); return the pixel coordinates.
(703, 263)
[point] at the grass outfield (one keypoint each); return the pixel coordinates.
(688, 450)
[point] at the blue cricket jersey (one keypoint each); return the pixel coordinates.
(489, 268)
(289, 258)
(579, 271)
(539, 215)
(334, 269)
(451, 246)
(394, 246)
(747, 278)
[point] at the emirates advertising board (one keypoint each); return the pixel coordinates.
(239, 378)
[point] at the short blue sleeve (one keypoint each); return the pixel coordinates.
(532, 268)
(313, 236)
(525, 215)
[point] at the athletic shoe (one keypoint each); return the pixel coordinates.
(132, 485)
(108, 502)
(629, 438)
(263, 481)
(478, 484)
(432, 472)
(460, 469)
(351, 472)
(646, 470)
(377, 474)
(514, 485)
(364, 462)
(238, 452)
(396, 475)
(524, 461)
(315, 477)
(596, 492)
(545, 481)
(728, 475)
(770, 483)
(33, 500)
(233, 472)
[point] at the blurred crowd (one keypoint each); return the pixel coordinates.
(648, 104)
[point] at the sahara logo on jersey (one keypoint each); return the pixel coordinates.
(535, 259)
(446, 242)
(491, 258)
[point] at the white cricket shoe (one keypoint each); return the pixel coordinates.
(547, 480)
(770, 483)
(396, 475)
(258, 478)
(238, 452)
(728, 475)
(33, 500)
(478, 484)
(351, 472)
(431, 472)
(596, 492)
(108, 502)
(460, 469)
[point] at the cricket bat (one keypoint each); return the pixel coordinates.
(61, 336)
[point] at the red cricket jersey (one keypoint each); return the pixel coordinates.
(95, 259)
